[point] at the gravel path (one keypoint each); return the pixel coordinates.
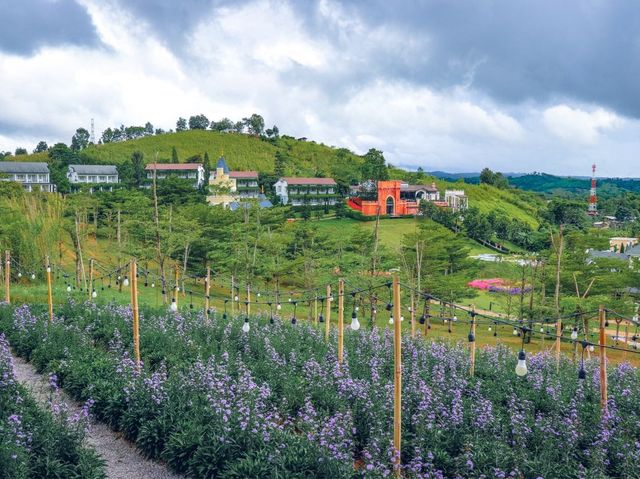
(122, 459)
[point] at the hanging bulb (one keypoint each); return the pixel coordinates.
(521, 368)
(153, 285)
(235, 298)
(48, 269)
(174, 305)
(495, 334)
(68, 289)
(355, 324)
(271, 320)
(258, 295)
(574, 334)
(321, 319)
(289, 299)
(489, 329)
(126, 281)
(19, 274)
(146, 284)
(357, 308)
(472, 337)
(224, 315)
(582, 374)
(94, 294)
(245, 326)
(515, 331)
(294, 320)
(542, 330)
(278, 306)
(401, 318)
(190, 305)
(591, 348)
(374, 311)
(390, 319)
(606, 323)
(455, 318)
(33, 276)
(389, 306)
(422, 319)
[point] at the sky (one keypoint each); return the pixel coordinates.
(517, 86)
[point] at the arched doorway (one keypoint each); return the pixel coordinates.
(390, 206)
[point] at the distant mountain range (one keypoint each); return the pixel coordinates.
(551, 184)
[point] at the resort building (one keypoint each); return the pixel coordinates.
(227, 187)
(194, 172)
(456, 200)
(307, 191)
(100, 177)
(32, 176)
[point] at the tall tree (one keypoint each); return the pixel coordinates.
(181, 124)
(174, 155)
(374, 166)
(254, 124)
(80, 140)
(41, 147)
(198, 122)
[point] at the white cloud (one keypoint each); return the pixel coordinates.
(579, 126)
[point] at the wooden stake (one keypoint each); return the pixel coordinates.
(233, 285)
(134, 307)
(558, 337)
(315, 311)
(397, 382)
(207, 287)
(49, 292)
(340, 321)
(91, 279)
(248, 299)
(472, 352)
(626, 339)
(603, 359)
(7, 276)
(327, 319)
(427, 313)
(413, 315)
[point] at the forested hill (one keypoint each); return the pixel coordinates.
(565, 186)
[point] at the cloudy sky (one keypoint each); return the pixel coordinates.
(447, 85)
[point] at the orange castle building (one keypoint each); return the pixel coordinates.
(389, 202)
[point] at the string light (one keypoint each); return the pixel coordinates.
(295, 306)
(68, 288)
(521, 367)
(224, 314)
(33, 276)
(320, 316)
(245, 326)
(174, 305)
(94, 294)
(472, 337)
(581, 372)
(19, 274)
(126, 281)
(574, 334)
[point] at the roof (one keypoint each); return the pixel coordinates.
(23, 167)
(222, 163)
(308, 181)
(94, 169)
(173, 166)
(406, 187)
(243, 174)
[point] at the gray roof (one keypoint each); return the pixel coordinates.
(23, 167)
(94, 169)
(223, 164)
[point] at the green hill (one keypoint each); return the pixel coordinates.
(565, 186)
(301, 158)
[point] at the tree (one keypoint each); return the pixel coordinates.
(21, 151)
(41, 147)
(238, 127)
(254, 124)
(80, 140)
(374, 166)
(206, 164)
(198, 122)
(148, 129)
(498, 180)
(181, 124)
(223, 125)
(273, 132)
(137, 166)
(568, 213)
(174, 155)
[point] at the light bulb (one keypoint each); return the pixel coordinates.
(391, 320)
(422, 319)
(355, 324)
(48, 269)
(94, 294)
(245, 326)
(455, 318)
(235, 298)
(374, 311)
(542, 330)
(177, 288)
(289, 299)
(582, 374)
(574, 334)
(126, 281)
(258, 295)
(357, 308)
(33, 276)
(174, 305)
(521, 367)
(68, 289)
(321, 319)
(401, 318)
(591, 348)
(19, 275)
(153, 285)
(515, 332)
(278, 306)
(489, 328)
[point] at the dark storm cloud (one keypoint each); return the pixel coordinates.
(517, 50)
(27, 25)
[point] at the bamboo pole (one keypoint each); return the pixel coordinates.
(340, 321)
(413, 315)
(90, 279)
(49, 291)
(207, 285)
(603, 359)
(315, 311)
(327, 319)
(626, 340)
(233, 285)
(558, 337)
(472, 352)
(248, 299)
(397, 383)
(427, 313)
(134, 307)
(7, 276)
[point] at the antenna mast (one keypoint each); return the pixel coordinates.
(93, 133)
(593, 199)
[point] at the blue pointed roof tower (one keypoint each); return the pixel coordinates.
(222, 163)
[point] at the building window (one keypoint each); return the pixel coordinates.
(390, 206)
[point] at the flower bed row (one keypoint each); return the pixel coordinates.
(214, 401)
(35, 443)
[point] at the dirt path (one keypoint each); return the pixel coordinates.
(122, 459)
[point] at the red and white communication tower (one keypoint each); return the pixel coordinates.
(593, 199)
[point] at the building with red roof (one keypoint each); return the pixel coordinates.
(307, 191)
